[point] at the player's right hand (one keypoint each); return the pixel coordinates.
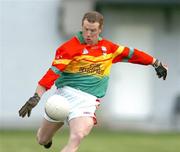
(27, 107)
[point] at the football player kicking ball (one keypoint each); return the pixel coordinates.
(80, 71)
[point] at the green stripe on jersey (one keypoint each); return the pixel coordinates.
(90, 84)
(131, 52)
(55, 70)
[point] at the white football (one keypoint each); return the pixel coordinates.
(57, 108)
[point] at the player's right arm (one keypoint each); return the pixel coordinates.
(62, 59)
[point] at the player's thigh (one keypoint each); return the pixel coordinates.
(81, 125)
(47, 128)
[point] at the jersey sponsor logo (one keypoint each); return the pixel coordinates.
(92, 68)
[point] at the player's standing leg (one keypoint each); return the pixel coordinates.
(79, 128)
(46, 131)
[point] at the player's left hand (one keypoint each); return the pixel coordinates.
(27, 107)
(161, 70)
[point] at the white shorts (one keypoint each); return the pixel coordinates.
(81, 103)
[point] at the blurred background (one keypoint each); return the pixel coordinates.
(31, 30)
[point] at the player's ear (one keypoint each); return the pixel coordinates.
(101, 28)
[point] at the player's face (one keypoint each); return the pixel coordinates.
(90, 32)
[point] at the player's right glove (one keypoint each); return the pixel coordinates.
(161, 71)
(27, 107)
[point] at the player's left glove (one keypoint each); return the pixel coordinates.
(160, 69)
(27, 107)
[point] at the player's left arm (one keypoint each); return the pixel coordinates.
(140, 57)
(132, 55)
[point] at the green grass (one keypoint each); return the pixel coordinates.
(97, 141)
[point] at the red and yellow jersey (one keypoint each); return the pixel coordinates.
(87, 67)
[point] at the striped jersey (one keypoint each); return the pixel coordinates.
(87, 67)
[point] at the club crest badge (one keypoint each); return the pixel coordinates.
(104, 50)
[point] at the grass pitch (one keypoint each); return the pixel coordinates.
(97, 141)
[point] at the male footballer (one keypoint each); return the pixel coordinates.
(80, 71)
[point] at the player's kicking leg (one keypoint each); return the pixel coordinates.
(79, 128)
(46, 131)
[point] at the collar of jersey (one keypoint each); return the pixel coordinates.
(81, 39)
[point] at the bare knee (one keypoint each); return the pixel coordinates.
(77, 137)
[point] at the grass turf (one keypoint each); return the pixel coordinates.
(97, 141)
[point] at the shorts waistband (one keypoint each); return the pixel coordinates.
(78, 91)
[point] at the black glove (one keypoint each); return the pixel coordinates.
(27, 107)
(161, 71)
